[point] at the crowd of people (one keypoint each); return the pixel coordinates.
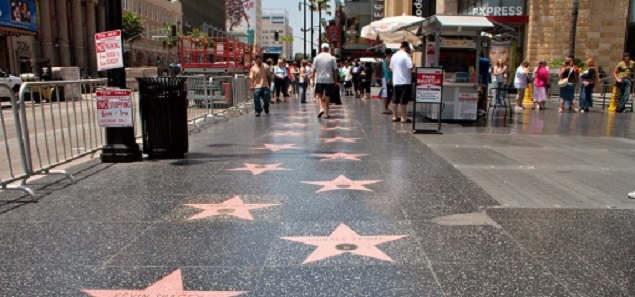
(331, 80)
(571, 80)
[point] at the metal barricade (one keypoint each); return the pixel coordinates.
(133, 85)
(241, 94)
(221, 96)
(59, 123)
(199, 108)
(12, 148)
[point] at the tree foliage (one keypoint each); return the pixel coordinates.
(132, 27)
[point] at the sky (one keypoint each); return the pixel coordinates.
(296, 21)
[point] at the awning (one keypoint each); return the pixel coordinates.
(8, 31)
(445, 21)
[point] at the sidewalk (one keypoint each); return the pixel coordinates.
(289, 205)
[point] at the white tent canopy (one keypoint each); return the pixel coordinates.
(386, 29)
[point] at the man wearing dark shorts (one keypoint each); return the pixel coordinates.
(401, 66)
(324, 74)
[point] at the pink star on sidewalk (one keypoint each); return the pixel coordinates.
(339, 156)
(338, 127)
(258, 169)
(345, 240)
(171, 285)
(342, 183)
(298, 117)
(287, 133)
(340, 139)
(294, 125)
(232, 207)
(277, 147)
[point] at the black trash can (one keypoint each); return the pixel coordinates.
(163, 108)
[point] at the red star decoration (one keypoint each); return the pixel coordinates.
(338, 127)
(257, 169)
(277, 147)
(232, 207)
(342, 183)
(345, 240)
(171, 285)
(340, 139)
(295, 125)
(288, 133)
(339, 156)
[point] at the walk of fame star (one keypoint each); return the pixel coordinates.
(232, 207)
(298, 117)
(171, 285)
(340, 139)
(338, 127)
(257, 169)
(339, 156)
(287, 133)
(342, 183)
(345, 240)
(277, 147)
(294, 125)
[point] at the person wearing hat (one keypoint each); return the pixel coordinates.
(401, 67)
(324, 74)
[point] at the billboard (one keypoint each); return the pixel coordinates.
(241, 16)
(19, 14)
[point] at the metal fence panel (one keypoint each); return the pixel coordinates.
(12, 149)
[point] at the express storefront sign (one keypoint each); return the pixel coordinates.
(495, 8)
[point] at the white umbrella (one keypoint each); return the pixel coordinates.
(386, 28)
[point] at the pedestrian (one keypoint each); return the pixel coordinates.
(521, 80)
(272, 85)
(356, 72)
(401, 66)
(590, 79)
(281, 76)
(484, 66)
(498, 71)
(386, 81)
(541, 78)
(259, 77)
(367, 78)
(303, 81)
(567, 91)
(624, 78)
(325, 75)
(295, 72)
(341, 75)
(348, 80)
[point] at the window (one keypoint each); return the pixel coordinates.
(124, 4)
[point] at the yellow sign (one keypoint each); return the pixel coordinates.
(286, 39)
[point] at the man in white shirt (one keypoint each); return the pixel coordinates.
(324, 73)
(401, 66)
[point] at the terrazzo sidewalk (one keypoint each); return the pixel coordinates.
(291, 205)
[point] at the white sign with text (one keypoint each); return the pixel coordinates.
(114, 108)
(109, 50)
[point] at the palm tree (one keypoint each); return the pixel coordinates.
(319, 5)
(171, 41)
(132, 30)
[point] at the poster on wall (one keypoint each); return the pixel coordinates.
(19, 14)
(501, 50)
(240, 16)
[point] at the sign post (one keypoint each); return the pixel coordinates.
(428, 90)
(121, 144)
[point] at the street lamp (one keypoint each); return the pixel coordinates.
(300, 9)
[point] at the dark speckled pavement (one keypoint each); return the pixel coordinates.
(290, 205)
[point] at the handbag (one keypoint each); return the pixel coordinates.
(565, 81)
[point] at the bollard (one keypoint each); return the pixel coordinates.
(529, 95)
(614, 99)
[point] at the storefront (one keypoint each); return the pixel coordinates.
(511, 13)
(18, 27)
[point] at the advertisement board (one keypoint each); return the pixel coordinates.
(114, 108)
(466, 107)
(429, 85)
(19, 14)
(240, 16)
(109, 50)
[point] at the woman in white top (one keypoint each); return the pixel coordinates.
(498, 71)
(348, 80)
(281, 75)
(520, 83)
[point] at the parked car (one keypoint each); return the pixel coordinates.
(14, 83)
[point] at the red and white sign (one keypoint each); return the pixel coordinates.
(429, 85)
(114, 108)
(109, 50)
(466, 107)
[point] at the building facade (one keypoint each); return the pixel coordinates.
(277, 21)
(203, 14)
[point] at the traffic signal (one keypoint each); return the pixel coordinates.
(276, 36)
(173, 30)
